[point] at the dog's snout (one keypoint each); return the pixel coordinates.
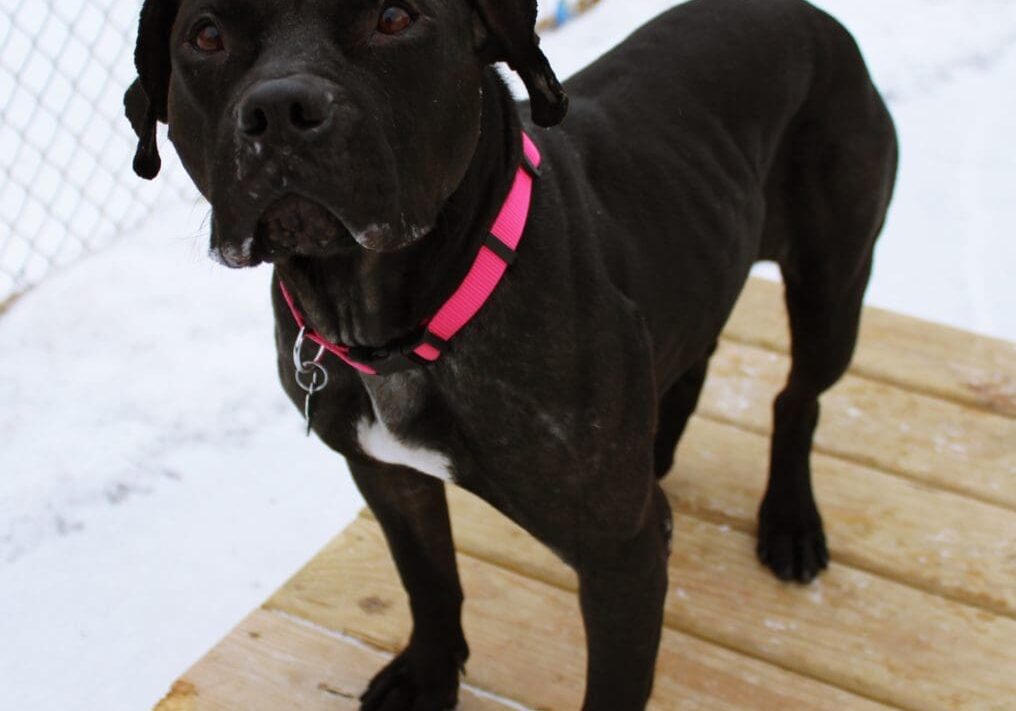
(291, 108)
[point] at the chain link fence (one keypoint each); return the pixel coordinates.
(66, 184)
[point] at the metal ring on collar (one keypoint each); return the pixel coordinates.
(315, 371)
(298, 362)
(298, 350)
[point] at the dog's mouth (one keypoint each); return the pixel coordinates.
(296, 225)
(291, 226)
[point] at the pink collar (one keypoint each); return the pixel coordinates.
(489, 267)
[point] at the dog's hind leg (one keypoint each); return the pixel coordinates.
(827, 198)
(413, 513)
(673, 412)
(824, 320)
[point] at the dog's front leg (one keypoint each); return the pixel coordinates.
(413, 514)
(622, 586)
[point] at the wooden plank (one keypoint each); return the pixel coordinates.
(923, 438)
(271, 662)
(854, 630)
(915, 470)
(526, 637)
(936, 540)
(914, 354)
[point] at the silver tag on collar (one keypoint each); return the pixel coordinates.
(311, 376)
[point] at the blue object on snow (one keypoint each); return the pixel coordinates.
(563, 13)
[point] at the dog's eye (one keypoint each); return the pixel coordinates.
(394, 20)
(207, 38)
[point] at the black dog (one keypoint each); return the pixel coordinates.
(365, 148)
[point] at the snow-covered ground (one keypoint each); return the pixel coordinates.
(154, 483)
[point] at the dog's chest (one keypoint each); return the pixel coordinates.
(396, 402)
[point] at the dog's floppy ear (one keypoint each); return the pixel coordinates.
(143, 118)
(511, 25)
(146, 100)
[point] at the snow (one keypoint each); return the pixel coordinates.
(155, 484)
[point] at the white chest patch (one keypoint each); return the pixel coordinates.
(377, 441)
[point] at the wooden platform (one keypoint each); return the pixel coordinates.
(915, 471)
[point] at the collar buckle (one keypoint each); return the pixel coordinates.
(385, 360)
(398, 358)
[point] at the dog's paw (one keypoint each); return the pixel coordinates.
(403, 686)
(793, 547)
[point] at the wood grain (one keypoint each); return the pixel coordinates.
(272, 662)
(526, 636)
(923, 438)
(947, 544)
(907, 352)
(852, 629)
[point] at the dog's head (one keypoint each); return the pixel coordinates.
(317, 126)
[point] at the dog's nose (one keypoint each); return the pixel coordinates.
(291, 108)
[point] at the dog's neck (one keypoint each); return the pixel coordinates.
(372, 299)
